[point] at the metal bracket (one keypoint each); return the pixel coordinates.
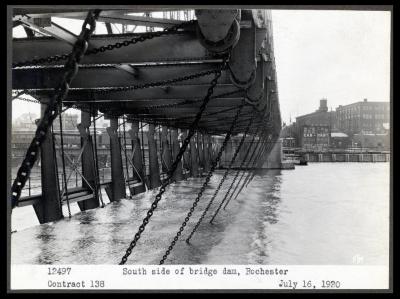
(45, 26)
(218, 30)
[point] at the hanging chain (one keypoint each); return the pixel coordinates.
(178, 158)
(125, 43)
(126, 156)
(203, 187)
(63, 162)
(110, 104)
(241, 168)
(267, 146)
(71, 68)
(236, 153)
(187, 102)
(260, 146)
(249, 162)
(97, 185)
(56, 165)
(220, 183)
(106, 90)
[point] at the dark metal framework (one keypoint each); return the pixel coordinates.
(192, 76)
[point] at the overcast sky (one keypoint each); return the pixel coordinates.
(343, 56)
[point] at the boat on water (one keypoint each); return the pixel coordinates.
(296, 159)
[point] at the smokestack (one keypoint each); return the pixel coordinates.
(323, 105)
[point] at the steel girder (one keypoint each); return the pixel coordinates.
(175, 92)
(255, 44)
(110, 76)
(183, 47)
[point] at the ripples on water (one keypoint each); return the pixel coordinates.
(323, 213)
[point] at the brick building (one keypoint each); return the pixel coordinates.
(313, 129)
(363, 117)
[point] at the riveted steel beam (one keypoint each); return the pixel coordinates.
(45, 27)
(110, 76)
(41, 11)
(183, 46)
(176, 92)
(46, 11)
(118, 18)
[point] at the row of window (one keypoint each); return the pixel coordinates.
(365, 116)
(318, 135)
(365, 108)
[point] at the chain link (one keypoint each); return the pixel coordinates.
(117, 45)
(187, 102)
(241, 167)
(239, 170)
(267, 148)
(220, 183)
(249, 162)
(106, 90)
(260, 146)
(203, 187)
(178, 158)
(51, 112)
(236, 153)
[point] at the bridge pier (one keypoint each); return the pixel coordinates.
(210, 148)
(206, 153)
(274, 158)
(186, 156)
(155, 180)
(200, 155)
(137, 159)
(194, 166)
(49, 207)
(166, 150)
(117, 190)
(88, 165)
(178, 175)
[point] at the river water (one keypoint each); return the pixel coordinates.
(323, 213)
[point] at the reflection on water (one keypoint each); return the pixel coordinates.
(323, 213)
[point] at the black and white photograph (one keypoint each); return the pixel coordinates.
(234, 146)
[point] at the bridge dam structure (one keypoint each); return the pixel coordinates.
(181, 101)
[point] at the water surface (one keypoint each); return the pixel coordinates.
(323, 213)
